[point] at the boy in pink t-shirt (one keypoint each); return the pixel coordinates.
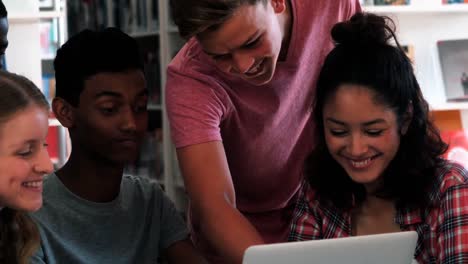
(239, 97)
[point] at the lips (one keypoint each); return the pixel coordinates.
(128, 142)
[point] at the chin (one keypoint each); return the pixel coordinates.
(31, 207)
(260, 80)
(364, 179)
(125, 159)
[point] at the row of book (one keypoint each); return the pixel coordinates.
(130, 16)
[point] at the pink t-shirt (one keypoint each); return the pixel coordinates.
(266, 130)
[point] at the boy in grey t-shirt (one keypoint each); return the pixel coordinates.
(91, 212)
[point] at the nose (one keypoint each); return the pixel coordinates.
(44, 164)
(357, 146)
(242, 62)
(128, 120)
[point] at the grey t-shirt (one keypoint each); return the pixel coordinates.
(134, 228)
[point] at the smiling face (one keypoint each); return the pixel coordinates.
(24, 159)
(111, 118)
(362, 135)
(248, 44)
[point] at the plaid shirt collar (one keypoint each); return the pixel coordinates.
(405, 217)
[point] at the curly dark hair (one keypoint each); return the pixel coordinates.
(363, 55)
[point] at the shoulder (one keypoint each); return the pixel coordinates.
(147, 187)
(449, 176)
(192, 79)
(341, 9)
(144, 191)
(190, 63)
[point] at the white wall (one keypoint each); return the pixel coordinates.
(424, 30)
(23, 55)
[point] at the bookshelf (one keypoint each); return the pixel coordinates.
(415, 9)
(170, 43)
(422, 25)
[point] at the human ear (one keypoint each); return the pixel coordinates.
(279, 6)
(64, 112)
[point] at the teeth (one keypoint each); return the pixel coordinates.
(255, 69)
(32, 184)
(361, 164)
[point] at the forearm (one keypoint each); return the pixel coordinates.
(213, 201)
(229, 232)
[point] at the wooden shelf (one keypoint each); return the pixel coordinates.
(143, 34)
(450, 106)
(51, 14)
(411, 9)
(28, 17)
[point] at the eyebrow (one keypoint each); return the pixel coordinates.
(107, 93)
(369, 123)
(247, 42)
(24, 142)
(144, 92)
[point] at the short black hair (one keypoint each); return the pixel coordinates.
(91, 52)
(3, 11)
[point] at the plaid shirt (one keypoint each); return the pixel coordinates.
(442, 228)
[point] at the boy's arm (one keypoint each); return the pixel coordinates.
(213, 202)
(182, 252)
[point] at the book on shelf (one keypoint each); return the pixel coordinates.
(49, 38)
(392, 2)
(53, 144)
(454, 1)
(384, 2)
(48, 86)
(453, 58)
(149, 51)
(130, 16)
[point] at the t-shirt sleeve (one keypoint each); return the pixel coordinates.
(172, 226)
(195, 107)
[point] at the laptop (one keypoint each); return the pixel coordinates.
(390, 248)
